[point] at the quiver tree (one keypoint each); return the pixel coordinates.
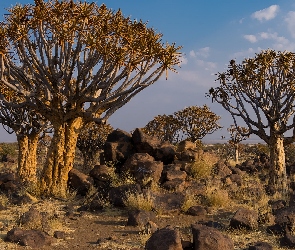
(164, 127)
(196, 122)
(74, 63)
(236, 137)
(91, 140)
(27, 125)
(192, 123)
(260, 91)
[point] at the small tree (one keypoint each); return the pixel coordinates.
(164, 127)
(192, 123)
(260, 91)
(236, 137)
(92, 139)
(196, 122)
(74, 63)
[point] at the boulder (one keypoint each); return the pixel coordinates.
(79, 181)
(9, 183)
(145, 143)
(173, 171)
(142, 167)
(245, 218)
(140, 217)
(176, 185)
(189, 155)
(236, 178)
(289, 239)
(100, 173)
(60, 235)
(164, 239)
(33, 219)
(119, 135)
(261, 246)
(31, 238)
(96, 205)
(222, 170)
(284, 216)
(197, 211)
(117, 152)
(165, 153)
(208, 238)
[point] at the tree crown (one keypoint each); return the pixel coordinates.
(61, 55)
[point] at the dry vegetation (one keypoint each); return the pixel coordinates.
(222, 201)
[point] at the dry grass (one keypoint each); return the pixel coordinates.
(120, 179)
(139, 201)
(190, 201)
(4, 201)
(202, 167)
(217, 197)
(243, 239)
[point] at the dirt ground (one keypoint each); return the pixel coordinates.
(108, 230)
(86, 230)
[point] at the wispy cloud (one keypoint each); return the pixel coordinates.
(251, 38)
(183, 60)
(267, 13)
(245, 53)
(203, 52)
(290, 20)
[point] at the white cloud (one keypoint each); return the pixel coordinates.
(188, 75)
(267, 13)
(245, 53)
(279, 42)
(203, 52)
(183, 60)
(290, 20)
(192, 53)
(251, 38)
(206, 65)
(273, 36)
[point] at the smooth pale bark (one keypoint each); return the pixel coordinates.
(27, 158)
(60, 158)
(278, 175)
(236, 147)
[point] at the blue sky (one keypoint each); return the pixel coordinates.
(212, 32)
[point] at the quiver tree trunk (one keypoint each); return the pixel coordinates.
(236, 152)
(278, 175)
(60, 158)
(27, 157)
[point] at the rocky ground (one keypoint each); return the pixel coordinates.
(171, 198)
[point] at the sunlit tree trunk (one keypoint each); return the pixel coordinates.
(27, 157)
(236, 148)
(278, 175)
(60, 158)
